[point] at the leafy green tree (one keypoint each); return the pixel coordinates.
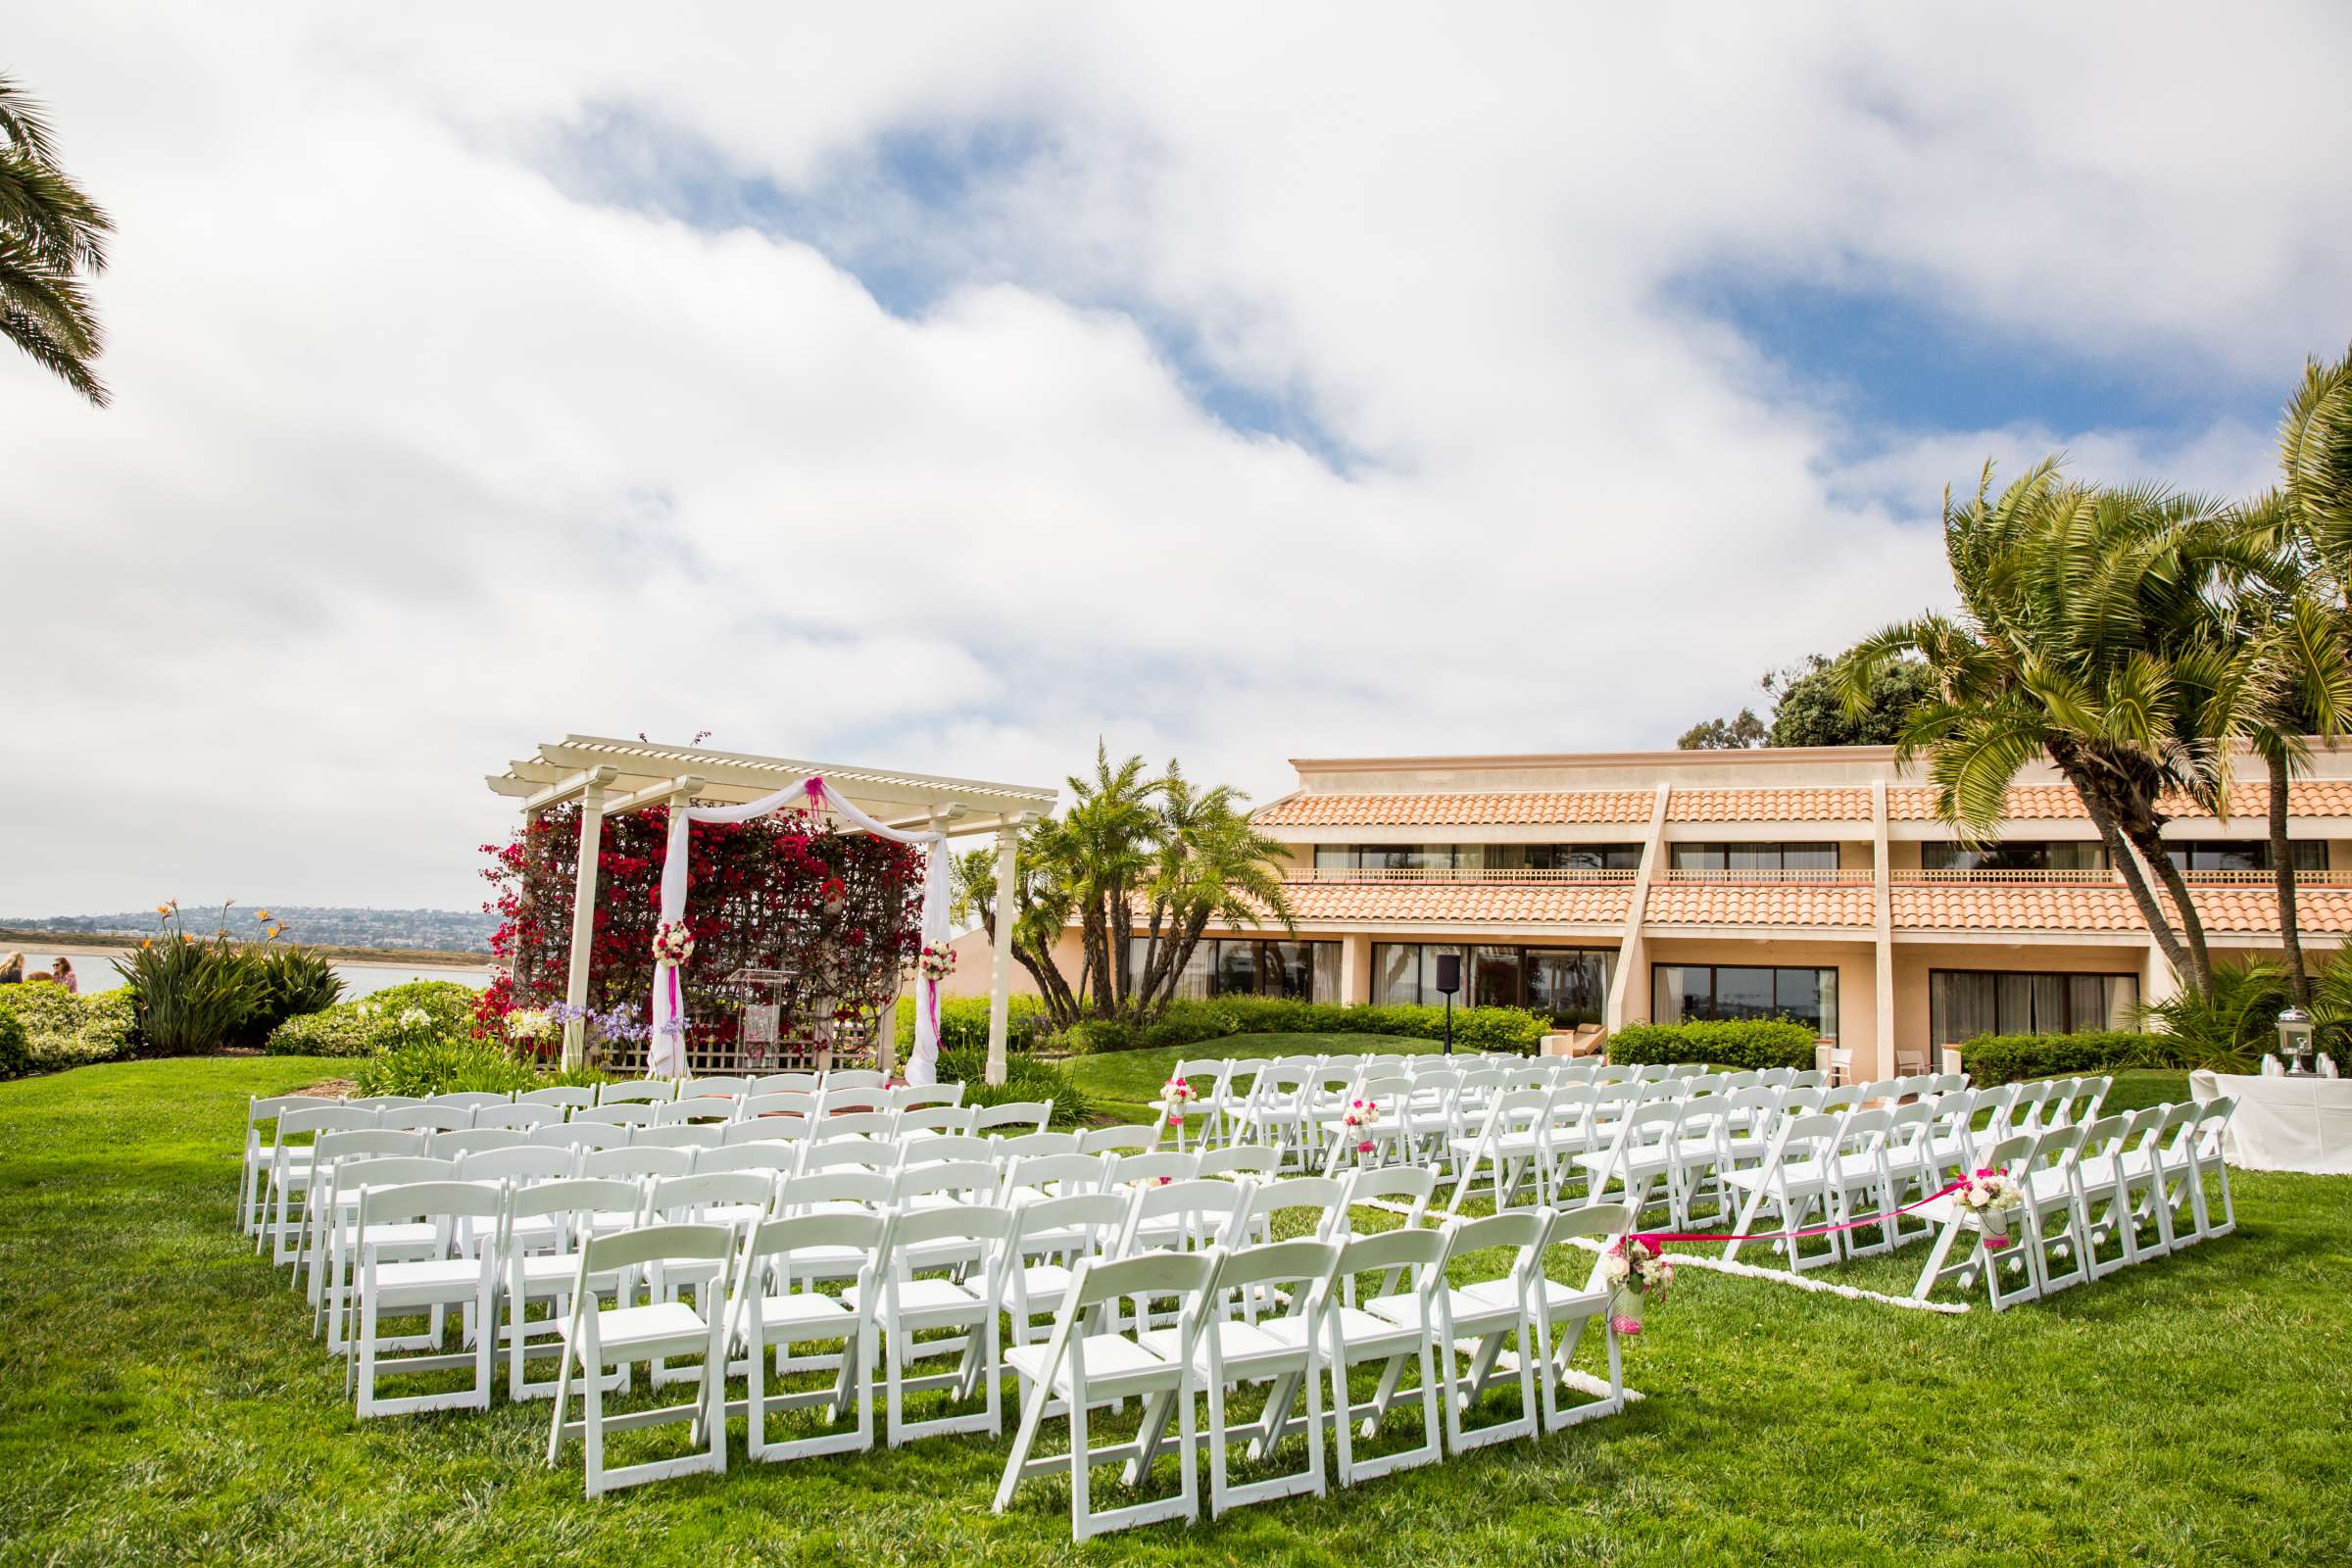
(1807, 710)
(1725, 734)
(51, 236)
(1130, 850)
(2294, 675)
(2084, 634)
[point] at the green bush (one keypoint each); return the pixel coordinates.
(963, 1023)
(1187, 1023)
(1025, 1078)
(290, 982)
(444, 1066)
(16, 1053)
(191, 998)
(2008, 1059)
(1749, 1043)
(386, 1020)
(65, 1030)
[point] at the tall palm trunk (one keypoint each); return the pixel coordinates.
(2107, 816)
(2282, 867)
(2144, 836)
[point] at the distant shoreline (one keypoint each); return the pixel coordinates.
(78, 945)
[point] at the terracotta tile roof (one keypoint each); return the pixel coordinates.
(1457, 811)
(1464, 902)
(1842, 805)
(2100, 907)
(2319, 797)
(1773, 904)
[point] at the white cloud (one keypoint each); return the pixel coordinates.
(423, 453)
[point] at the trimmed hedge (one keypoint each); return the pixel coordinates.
(1187, 1023)
(445, 1067)
(1747, 1042)
(65, 1030)
(963, 1023)
(372, 1023)
(16, 1054)
(2009, 1058)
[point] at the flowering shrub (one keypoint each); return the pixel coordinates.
(413, 1013)
(839, 911)
(65, 1030)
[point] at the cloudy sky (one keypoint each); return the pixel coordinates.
(944, 387)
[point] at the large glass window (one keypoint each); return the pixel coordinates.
(1243, 966)
(2247, 854)
(1755, 857)
(1570, 983)
(1336, 858)
(2021, 854)
(1479, 856)
(1963, 1004)
(1682, 993)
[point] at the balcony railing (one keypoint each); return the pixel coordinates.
(1841, 876)
(1915, 876)
(1585, 875)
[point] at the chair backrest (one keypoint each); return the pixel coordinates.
(956, 1120)
(1520, 1229)
(853, 1078)
(575, 1197)
(854, 1124)
(1413, 1185)
(692, 1197)
(830, 1101)
(519, 1117)
(1307, 1265)
(767, 1129)
(1866, 1129)
(363, 1142)
(919, 1096)
(1143, 1277)
(1238, 1159)
(873, 1189)
(980, 1222)
(259, 1110)
(635, 1089)
(639, 1163)
(469, 1098)
(686, 1135)
(384, 1102)
(776, 1157)
(1166, 1165)
(1029, 1113)
(721, 1085)
(2105, 1138)
(1809, 1136)
(917, 1152)
(315, 1119)
(1416, 1247)
(1058, 1175)
(849, 1155)
(2211, 1118)
(1088, 1224)
(582, 1135)
(1205, 1210)
(776, 1082)
(532, 1162)
(450, 1145)
(355, 1174)
(422, 1199)
(620, 1114)
(2055, 1146)
(562, 1096)
(1109, 1140)
(654, 1244)
(1325, 1197)
(793, 1103)
(963, 1181)
(1030, 1145)
(704, 1107)
(773, 1243)
(430, 1119)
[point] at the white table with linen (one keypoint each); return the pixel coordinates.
(2283, 1122)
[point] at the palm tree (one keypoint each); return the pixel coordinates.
(1210, 863)
(2296, 675)
(2083, 636)
(50, 235)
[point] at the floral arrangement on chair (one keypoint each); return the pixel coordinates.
(1359, 1118)
(937, 961)
(1179, 1096)
(1986, 1199)
(1634, 1268)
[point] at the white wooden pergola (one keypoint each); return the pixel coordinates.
(609, 777)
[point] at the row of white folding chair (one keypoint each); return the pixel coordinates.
(2136, 1181)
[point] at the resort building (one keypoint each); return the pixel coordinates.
(1809, 883)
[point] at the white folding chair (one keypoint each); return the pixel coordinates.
(1794, 1182)
(1563, 1312)
(1965, 1250)
(1490, 1313)
(598, 1338)
(562, 1097)
(474, 1141)
(519, 1117)
(685, 1135)
(442, 1279)
(965, 1302)
(777, 1305)
(543, 1230)
(1051, 1237)
(1353, 1337)
(2205, 1156)
(1118, 1139)
(286, 1189)
(1077, 1370)
(582, 1135)
(636, 1088)
(923, 1121)
(701, 1109)
(254, 1170)
(1013, 1117)
(722, 1086)
(619, 1113)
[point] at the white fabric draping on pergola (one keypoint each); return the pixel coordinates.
(666, 1057)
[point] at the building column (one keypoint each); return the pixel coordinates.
(1629, 986)
(1355, 970)
(1883, 940)
(999, 957)
(584, 912)
(2157, 981)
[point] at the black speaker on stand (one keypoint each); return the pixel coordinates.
(1450, 981)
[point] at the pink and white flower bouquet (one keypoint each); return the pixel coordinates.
(1633, 1270)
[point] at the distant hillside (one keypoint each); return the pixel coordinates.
(435, 930)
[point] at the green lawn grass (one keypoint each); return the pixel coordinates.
(161, 1400)
(1124, 1082)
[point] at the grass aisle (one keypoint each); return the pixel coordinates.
(161, 1400)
